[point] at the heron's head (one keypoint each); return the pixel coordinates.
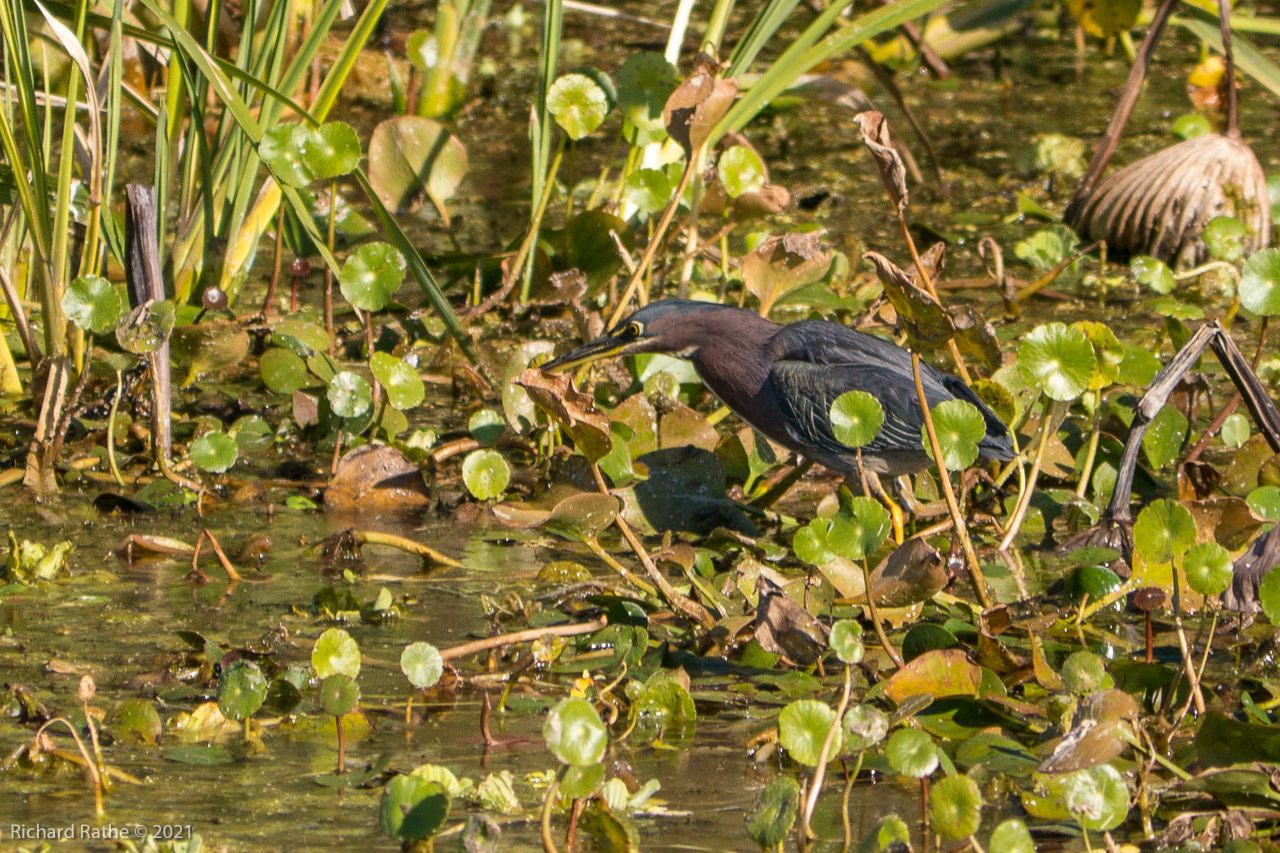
(675, 327)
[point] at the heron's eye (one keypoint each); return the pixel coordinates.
(633, 330)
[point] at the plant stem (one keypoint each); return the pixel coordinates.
(1188, 665)
(342, 744)
(548, 843)
(971, 556)
(875, 619)
(820, 772)
(526, 255)
(1024, 499)
(111, 430)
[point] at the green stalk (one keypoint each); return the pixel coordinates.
(525, 255)
(716, 23)
(541, 127)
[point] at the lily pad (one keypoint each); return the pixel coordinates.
(214, 452)
(803, 726)
(1058, 360)
(578, 104)
(955, 807)
(92, 304)
(486, 474)
(403, 385)
(421, 664)
(912, 753)
(774, 812)
(1260, 283)
(242, 688)
(412, 808)
(856, 418)
(336, 653)
(574, 733)
(372, 275)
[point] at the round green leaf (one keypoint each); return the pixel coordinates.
(1224, 238)
(774, 812)
(955, 807)
(92, 304)
(645, 81)
(1083, 673)
(413, 159)
(350, 394)
(803, 726)
(1191, 126)
(578, 104)
(242, 688)
(1165, 436)
(333, 151)
(1058, 360)
(336, 653)
(1265, 501)
(214, 452)
(339, 695)
(1011, 836)
(912, 753)
(412, 808)
(741, 171)
(574, 733)
(856, 418)
(649, 190)
(1153, 273)
(846, 641)
(403, 385)
(810, 543)
(1108, 352)
(283, 371)
(1164, 530)
(864, 727)
(252, 434)
(486, 426)
(1208, 568)
(283, 148)
(858, 529)
(372, 275)
(421, 664)
(926, 637)
(1098, 797)
(1235, 430)
(1094, 581)
(579, 783)
(136, 719)
(1260, 283)
(959, 427)
(486, 474)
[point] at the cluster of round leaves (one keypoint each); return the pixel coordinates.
(856, 418)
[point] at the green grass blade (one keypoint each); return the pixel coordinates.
(762, 28)
(1248, 58)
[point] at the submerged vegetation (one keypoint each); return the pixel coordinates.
(355, 535)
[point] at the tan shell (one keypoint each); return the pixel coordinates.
(1159, 205)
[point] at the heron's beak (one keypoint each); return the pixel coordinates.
(601, 347)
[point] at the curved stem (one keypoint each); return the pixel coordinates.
(820, 772)
(522, 264)
(548, 843)
(1024, 499)
(971, 556)
(875, 620)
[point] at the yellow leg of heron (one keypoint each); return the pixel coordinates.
(896, 516)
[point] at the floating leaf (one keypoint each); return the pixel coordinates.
(802, 728)
(912, 753)
(1208, 568)
(955, 807)
(856, 417)
(1098, 797)
(1260, 283)
(372, 275)
(943, 672)
(486, 474)
(283, 149)
(864, 727)
(1164, 530)
(92, 304)
(1235, 430)
(770, 819)
(574, 733)
(1058, 360)
(1224, 238)
(335, 653)
(926, 637)
(1164, 437)
(350, 394)
(741, 171)
(959, 427)
(421, 664)
(1152, 272)
(339, 695)
(412, 808)
(403, 385)
(846, 641)
(578, 104)
(579, 783)
(334, 152)
(1083, 673)
(214, 452)
(1011, 836)
(242, 688)
(137, 719)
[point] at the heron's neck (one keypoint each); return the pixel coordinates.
(734, 365)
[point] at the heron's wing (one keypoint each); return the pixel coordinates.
(807, 390)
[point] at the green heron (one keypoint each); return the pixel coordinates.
(782, 380)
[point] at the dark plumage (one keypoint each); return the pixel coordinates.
(782, 380)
